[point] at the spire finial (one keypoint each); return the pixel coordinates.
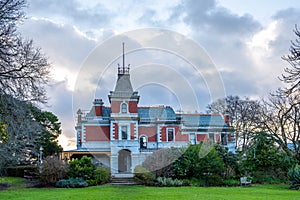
(123, 69)
(123, 57)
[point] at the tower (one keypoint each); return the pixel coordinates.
(123, 120)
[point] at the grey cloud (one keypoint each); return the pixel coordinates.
(60, 103)
(70, 11)
(287, 20)
(63, 44)
(207, 16)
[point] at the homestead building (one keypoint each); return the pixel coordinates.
(122, 134)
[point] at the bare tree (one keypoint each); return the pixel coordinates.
(281, 116)
(292, 73)
(244, 117)
(281, 119)
(24, 70)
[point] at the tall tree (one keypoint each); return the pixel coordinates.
(24, 70)
(265, 160)
(281, 119)
(282, 110)
(28, 128)
(244, 117)
(292, 73)
(51, 129)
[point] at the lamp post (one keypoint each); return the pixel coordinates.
(41, 154)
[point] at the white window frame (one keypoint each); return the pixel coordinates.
(214, 137)
(145, 138)
(121, 108)
(121, 134)
(195, 138)
(167, 134)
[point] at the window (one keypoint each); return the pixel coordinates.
(192, 138)
(224, 139)
(211, 137)
(124, 108)
(143, 142)
(124, 132)
(170, 134)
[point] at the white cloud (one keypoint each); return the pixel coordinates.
(260, 43)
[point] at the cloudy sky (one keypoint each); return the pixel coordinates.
(183, 53)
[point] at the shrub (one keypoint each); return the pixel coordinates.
(92, 182)
(231, 182)
(294, 177)
(83, 168)
(192, 164)
(18, 171)
(143, 176)
(211, 180)
(101, 175)
(72, 183)
(169, 182)
(53, 169)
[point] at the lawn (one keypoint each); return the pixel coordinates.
(272, 192)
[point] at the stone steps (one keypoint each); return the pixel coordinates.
(122, 181)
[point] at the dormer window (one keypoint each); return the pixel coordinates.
(123, 108)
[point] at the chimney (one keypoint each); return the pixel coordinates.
(98, 105)
(79, 115)
(227, 117)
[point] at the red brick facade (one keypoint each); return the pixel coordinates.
(97, 133)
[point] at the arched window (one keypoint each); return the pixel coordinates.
(123, 108)
(143, 142)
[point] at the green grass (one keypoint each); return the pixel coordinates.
(271, 192)
(14, 182)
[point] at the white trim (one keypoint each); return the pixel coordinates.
(136, 129)
(158, 133)
(83, 134)
(112, 130)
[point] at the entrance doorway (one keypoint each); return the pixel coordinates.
(124, 161)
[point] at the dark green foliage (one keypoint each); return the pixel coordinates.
(264, 161)
(53, 169)
(194, 164)
(231, 182)
(294, 177)
(201, 162)
(83, 168)
(26, 133)
(101, 176)
(210, 180)
(230, 161)
(143, 177)
(50, 132)
(71, 183)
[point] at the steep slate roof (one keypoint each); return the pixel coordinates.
(154, 113)
(105, 112)
(196, 120)
(123, 83)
